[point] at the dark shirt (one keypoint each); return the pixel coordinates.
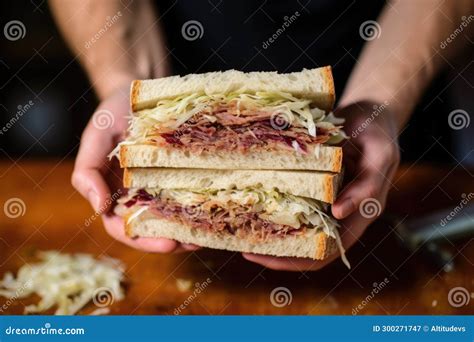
(267, 35)
(251, 35)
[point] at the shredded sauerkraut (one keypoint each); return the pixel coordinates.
(278, 207)
(172, 113)
(66, 281)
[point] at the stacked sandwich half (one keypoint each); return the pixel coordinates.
(237, 161)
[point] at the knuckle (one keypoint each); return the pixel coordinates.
(372, 191)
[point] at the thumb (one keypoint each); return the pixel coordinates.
(87, 177)
(90, 184)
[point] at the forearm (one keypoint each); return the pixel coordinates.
(397, 67)
(114, 44)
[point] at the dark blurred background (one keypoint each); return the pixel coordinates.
(41, 69)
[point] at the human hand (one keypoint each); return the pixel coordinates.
(371, 158)
(99, 179)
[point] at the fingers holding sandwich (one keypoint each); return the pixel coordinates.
(94, 176)
(100, 180)
(88, 174)
(371, 184)
(351, 229)
(371, 158)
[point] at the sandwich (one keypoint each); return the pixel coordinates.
(243, 162)
(264, 212)
(234, 120)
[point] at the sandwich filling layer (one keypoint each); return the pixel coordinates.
(249, 213)
(235, 122)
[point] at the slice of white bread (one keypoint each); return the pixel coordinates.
(315, 84)
(322, 186)
(141, 155)
(314, 244)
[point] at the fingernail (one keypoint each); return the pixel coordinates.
(94, 200)
(347, 207)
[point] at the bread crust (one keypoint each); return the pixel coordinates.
(330, 188)
(337, 160)
(329, 80)
(325, 246)
(134, 94)
(123, 153)
(127, 178)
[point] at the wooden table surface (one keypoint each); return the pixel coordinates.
(55, 219)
